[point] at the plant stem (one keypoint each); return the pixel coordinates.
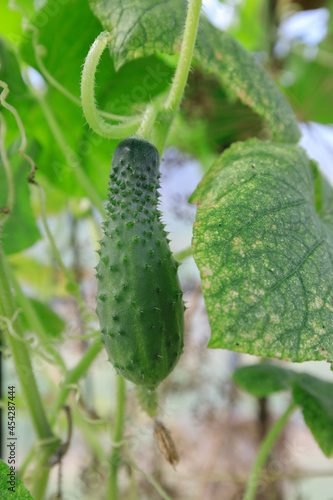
(38, 49)
(22, 359)
(72, 285)
(75, 374)
(20, 126)
(264, 451)
(181, 75)
(183, 254)
(93, 117)
(7, 168)
(185, 57)
(69, 154)
(26, 377)
(33, 319)
(147, 476)
(117, 435)
(147, 122)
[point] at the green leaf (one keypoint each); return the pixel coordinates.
(52, 323)
(20, 492)
(138, 31)
(240, 72)
(141, 27)
(265, 255)
(20, 230)
(316, 399)
(313, 395)
(263, 379)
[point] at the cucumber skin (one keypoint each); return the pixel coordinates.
(139, 298)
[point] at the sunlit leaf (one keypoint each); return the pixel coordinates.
(265, 255)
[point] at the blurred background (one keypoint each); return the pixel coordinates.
(217, 427)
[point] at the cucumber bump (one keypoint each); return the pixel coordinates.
(139, 299)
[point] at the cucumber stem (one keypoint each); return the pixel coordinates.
(165, 118)
(117, 435)
(264, 451)
(185, 58)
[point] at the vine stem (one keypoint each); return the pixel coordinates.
(7, 168)
(22, 359)
(117, 435)
(11, 109)
(75, 374)
(33, 319)
(147, 476)
(176, 92)
(186, 53)
(93, 116)
(147, 122)
(26, 377)
(264, 451)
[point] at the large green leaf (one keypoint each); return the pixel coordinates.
(141, 27)
(149, 26)
(265, 255)
(315, 396)
(19, 492)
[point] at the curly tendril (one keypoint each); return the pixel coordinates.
(92, 114)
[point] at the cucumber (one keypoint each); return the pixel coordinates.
(139, 299)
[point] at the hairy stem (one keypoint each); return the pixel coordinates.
(93, 116)
(185, 57)
(264, 451)
(175, 95)
(39, 49)
(117, 435)
(147, 123)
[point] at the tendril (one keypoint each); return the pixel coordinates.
(92, 114)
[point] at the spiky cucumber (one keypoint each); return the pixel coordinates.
(139, 299)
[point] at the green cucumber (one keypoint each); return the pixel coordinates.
(139, 299)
